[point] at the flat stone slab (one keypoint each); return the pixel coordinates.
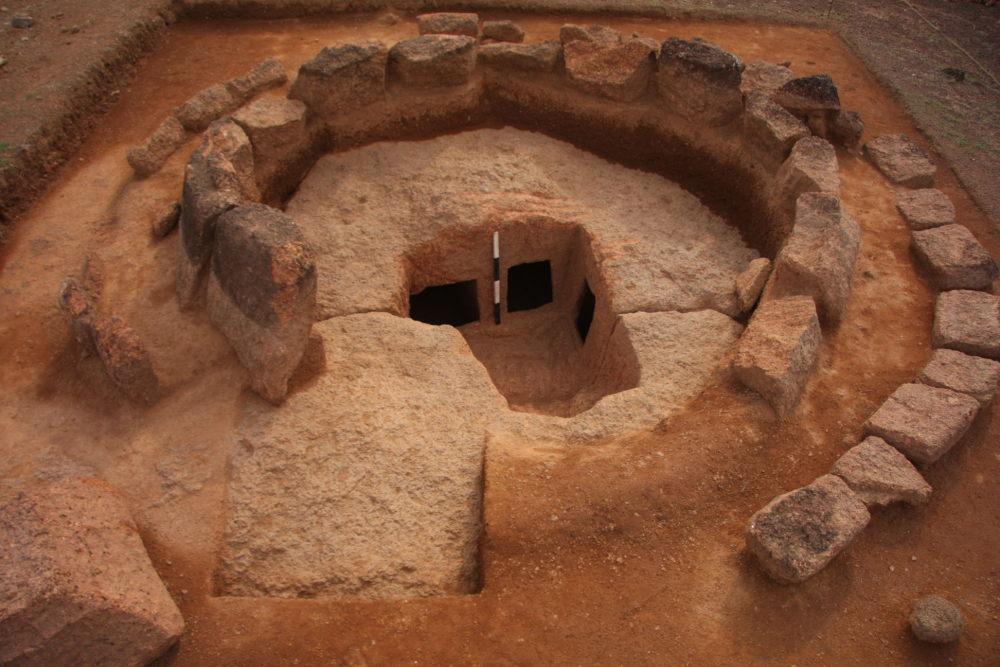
(433, 61)
(750, 283)
(342, 78)
(964, 373)
(502, 31)
(901, 160)
(968, 321)
(798, 533)
(770, 128)
(955, 258)
(880, 475)
(446, 23)
(811, 167)
(537, 57)
(923, 422)
(925, 208)
(936, 620)
(764, 77)
(616, 70)
(777, 352)
(76, 584)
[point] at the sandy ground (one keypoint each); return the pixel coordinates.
(626, 553)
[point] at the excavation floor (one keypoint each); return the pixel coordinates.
(624, 553)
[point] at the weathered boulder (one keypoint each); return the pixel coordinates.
(165, 219)
(433, 61)
(750, 283)
(969, 322)
(371, 475)
(218, 177)
(342, 78)
(811, 167)
(798, 533)
(813, 98)
(537, 57)
(126, 360)
(964, 373)
(275, 128)
(79, 312)
(846, 130)
(925, 208)
(146, 158)
(266, 75)
(76, 584)
(444, 23)
(700, 81)
(770, 129)
(923, 422)
(935, 620)
(615, 70)
(502, 31)
(819, 256)
(955, 258)
(261, 293)
(778, 350)
(210, 104)
(901, 160)
(764, 77)
(880, 475)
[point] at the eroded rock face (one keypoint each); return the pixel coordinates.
(700, 81)
(964, 373)
(502, 31)
(79, 312)
(764, 77)
(880, 475)
(750, 283)
(923, 422)
(210, 104)
(433, 61)
(969, 322)
(901, 160)
(370, 477)
(616, 70)
(126, 360)
(342, 78)
(811, 167)
(773, 130)
(926, 208)
(819, 256)
(266, 75)
(954, 258)
(798, 533)
(76, 584)
(778, 350)
(261, 294)
(537, 57)
(148, 157)
(936, 620)
(445, 23)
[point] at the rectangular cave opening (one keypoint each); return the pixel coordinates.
(585, 315)
(455, 304)
(529, 286)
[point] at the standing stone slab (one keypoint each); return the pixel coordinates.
(750, 283)
(846, 130)
(616, 70)
(880, 475)
(210, 104)
(798, 533)
(964, 373)
(901, 160)
(537, 57)
(126, 360)
(811, 167)
(148, 157)
(76, 584)
(433, 61)
(261, 294)
(764, 77)
(700, 81)
(266, 75)
(954, 258)
(778, 350)
(969, 322)
(813, 98)
(342, 78)
(819, 256)
(445, 23)
(923, 422)
(925, 208)
(771, 129)
(502, 31)
(276, 129)
(937, 621)
(79, 312)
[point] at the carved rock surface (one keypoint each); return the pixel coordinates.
(901, 160)
(880, 475)
(955, 258)
(148, 157)
(126, 360)
(76, 584)
(819, 256)
(926, 208)
(964, 373)
(444, 23)
(923, 422)
(700, 81)
(537, 57)
(798, 533)
(266, 75)
(778, 350)
(615, 70)
(342, 78)
(969, 322)
(433, 61)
